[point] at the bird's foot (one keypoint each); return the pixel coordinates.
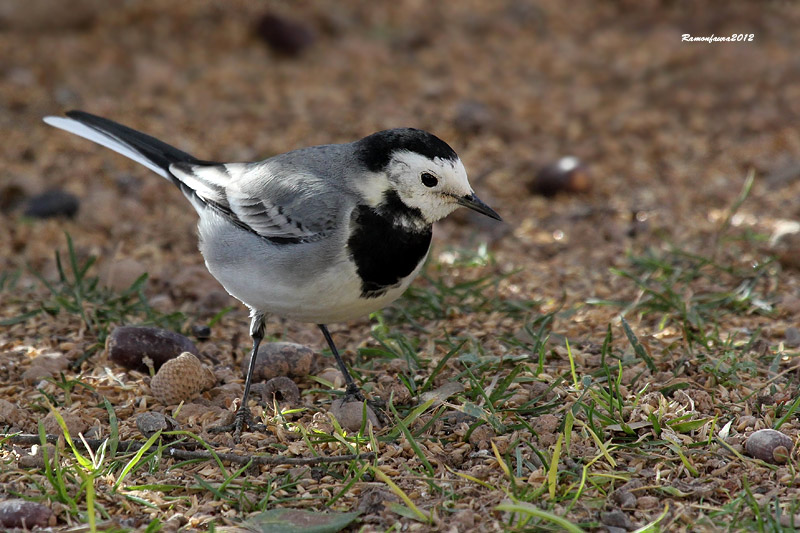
(353, 394)
(243, 419)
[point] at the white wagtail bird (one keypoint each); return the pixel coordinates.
(321, 234)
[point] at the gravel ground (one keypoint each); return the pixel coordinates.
(667, 132)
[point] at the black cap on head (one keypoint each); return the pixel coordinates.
(375, 151)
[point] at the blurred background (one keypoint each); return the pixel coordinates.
(665, 131)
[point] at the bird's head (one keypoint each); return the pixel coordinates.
(423, 172)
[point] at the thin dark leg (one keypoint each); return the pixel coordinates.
(244, 418)
(352, 389)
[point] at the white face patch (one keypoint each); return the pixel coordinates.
(372, 187)
(436, 202)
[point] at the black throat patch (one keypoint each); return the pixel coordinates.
(383, 250)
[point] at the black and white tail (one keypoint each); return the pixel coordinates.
(144, 149)
(204, 183)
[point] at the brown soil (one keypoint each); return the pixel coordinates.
(668, 131)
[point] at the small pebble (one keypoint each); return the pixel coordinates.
(481, 437)
(464, 520)
(119, 274)
(283, 35)
(211, 301)
(648, 502)
(196, 414)
(349, 414)
(11, 415)
(283, 359)
(625, 499)
(19, 513)
(201, 332)
(333, 376)
(397, 391)
(412, 39)
(281, 388)
(787, 250)
(789, 259)
(746, 421)
(442, 393)
(541, 391)
(639, 224)
(44, 366)
(129, 345)
(224, 395)
(568, 174)
(150, 422)
(792, 337)
(769, 445)
(472, 117)
(11, 195)
(75, 424)
(34, 458)
(616, 518)
(371, 500)
(175, 523)
(52, 203)
(547, 423)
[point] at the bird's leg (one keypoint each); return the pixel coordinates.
(244, 418)
(352, 391)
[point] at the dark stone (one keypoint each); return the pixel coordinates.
(616, 518)
(201, 332)
(625, 499)
(129, 345)
(11, 196)
(568, 174)
(52, 203)
(19, 513)
(284, 36)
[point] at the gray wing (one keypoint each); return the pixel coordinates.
(279, 203)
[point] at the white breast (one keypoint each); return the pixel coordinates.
(311, 282)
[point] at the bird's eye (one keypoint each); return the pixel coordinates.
(429, 180)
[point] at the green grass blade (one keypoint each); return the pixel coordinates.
(135, 459)
(411, 440)
(418, 513)
(531, 510)
(637, 346)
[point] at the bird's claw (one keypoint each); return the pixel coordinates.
(353, 394)
(243, 419)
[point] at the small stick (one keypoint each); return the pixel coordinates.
(268, 459)
(179, 453)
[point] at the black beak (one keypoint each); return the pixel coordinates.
(476, 204)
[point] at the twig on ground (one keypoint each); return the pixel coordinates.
(176, 450)
(268, 459)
